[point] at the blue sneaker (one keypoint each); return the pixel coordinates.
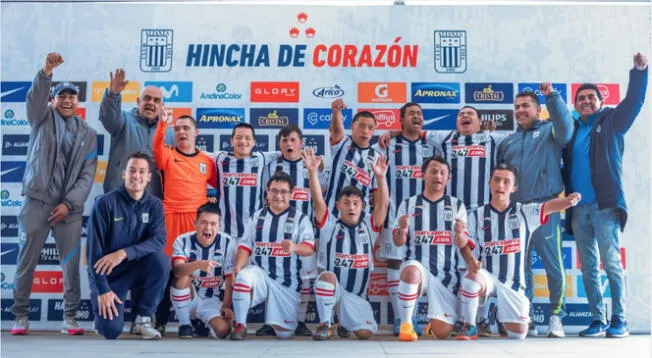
(596, 329)
(415, 324)
(469, 333)
(617, 328)
(397, 326)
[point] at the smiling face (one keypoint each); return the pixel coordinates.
(468, 121)
(587, 102)
(136, 175)
(526, 111)
(207, 227)
(278, 196)
(66, 103)
(243, 142)
(412, 122)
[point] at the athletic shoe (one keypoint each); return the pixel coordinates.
(397, 326)
(618, 328)
(185, 331)
(406, 333)
(469, 333)
(501, 329)
(415, 324)
(596, 329)
(343, 332)
(266, 331)
(323, 332)
(302, 330)
(532, 329)
(21, 327)
(458, 328)
(555, 327)
(239, 332)
(70, 327)
(484, 330)
(143, 327)
(159, 327)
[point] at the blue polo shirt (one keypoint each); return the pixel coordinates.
(581, 169)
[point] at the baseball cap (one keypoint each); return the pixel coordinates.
(64, 86)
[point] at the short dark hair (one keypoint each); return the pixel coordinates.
(281, 177)
(508, 167)
(143, 156)
(244, 125)
(585, 86)
(192, 120)
(532, 95)
(473, 108)
(289, 129)
(209, 208)
(350, 190)
(363, 114)
(405, 107)
(435, 158)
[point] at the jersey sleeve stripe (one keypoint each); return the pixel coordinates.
(246, 248)
(543, 218)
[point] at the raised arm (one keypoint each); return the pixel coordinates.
(629, 108)
(381, 196)
(559, 204)
(336, 127)
(111, 106)
(38, 95)
(311, 162)
(158, 145)
(560, 116)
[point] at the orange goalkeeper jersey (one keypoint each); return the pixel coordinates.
(184, 176)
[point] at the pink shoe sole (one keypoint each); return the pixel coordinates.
(18, 332)
(74, 332)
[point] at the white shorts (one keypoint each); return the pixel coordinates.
(389, 250)
(512, 306)
(205, 309)
(442, 302)
(282, 302)
(354, 312)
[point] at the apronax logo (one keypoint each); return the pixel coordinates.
(219, 117)
(436, 92)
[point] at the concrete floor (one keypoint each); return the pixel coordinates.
(51, 345)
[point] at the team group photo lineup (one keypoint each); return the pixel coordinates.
(405, 209)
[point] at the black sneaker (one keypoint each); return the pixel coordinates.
(458, 328)
(185, 331)
(302, 330)
(266, 331)
(343, 332)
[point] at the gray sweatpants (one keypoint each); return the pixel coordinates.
(33, 229)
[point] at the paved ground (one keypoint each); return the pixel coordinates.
(51, 345)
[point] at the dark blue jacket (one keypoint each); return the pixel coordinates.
(606, 149)
(120, 222)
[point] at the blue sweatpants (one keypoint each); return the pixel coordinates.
(148, 274)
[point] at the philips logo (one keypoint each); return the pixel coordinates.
(328, 92)
(174, 91)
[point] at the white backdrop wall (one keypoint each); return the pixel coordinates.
(313, 55)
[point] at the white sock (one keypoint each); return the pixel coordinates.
(325, 297)
(181, 299)
(469, 297)
(242, 297)
(393, 278)
(305, 298)
(408, 293)
(483, 312)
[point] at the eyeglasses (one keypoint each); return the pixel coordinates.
(148, 98)
(277, 192)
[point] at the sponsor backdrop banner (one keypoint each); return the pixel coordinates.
(276, 65)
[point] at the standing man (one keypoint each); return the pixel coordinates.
(593, 167)
(275, 239)
(61, 162)
(131, 131)
(535, 151)
(186, 173)
(352, 156)
(126, 234)
(406, 152)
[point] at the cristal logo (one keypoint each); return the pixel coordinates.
(604, 91)
(328, 92)
(381, 90)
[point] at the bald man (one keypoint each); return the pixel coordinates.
(131, 131)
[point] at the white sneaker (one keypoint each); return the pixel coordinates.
(532, 329)
(70, 327)
(555, 327)
(143, 327)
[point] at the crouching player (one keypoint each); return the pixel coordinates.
(202, 261)
(501, 231)
(345, 252)
(428, 228)
(274, 241)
